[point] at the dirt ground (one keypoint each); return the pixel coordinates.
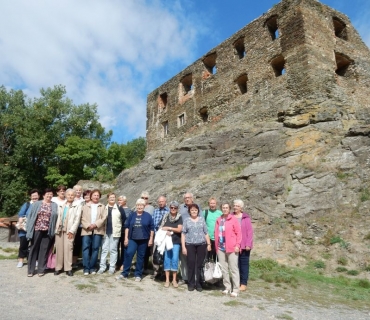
(103, 297)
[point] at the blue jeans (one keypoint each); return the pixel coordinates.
(171, 259)
(138, 247)
(244, 266)
(92, 242)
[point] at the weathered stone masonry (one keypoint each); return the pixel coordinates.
(297, 52)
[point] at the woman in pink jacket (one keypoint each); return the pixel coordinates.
(228, 237)
(246, 243)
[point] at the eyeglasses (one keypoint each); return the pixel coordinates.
(173, 208)
(144, 198)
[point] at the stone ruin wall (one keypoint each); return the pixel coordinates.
(299, 52)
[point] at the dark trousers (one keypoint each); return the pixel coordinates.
(195, 257)
(121, 251)
(148, 253)
(138, 247)
(244, 266)
(23, 247)
(212, 254)
(41, 243)
(77, 243)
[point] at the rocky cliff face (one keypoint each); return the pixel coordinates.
(284, 125)
(302, 186)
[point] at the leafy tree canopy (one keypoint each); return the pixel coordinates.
(49, 141)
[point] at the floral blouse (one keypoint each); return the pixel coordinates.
(195, 231)
(43, 217)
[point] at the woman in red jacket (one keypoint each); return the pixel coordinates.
(228, 237)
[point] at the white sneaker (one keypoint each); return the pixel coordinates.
(225, 292)
(233, 294)
(137, 279)
(86, 273)
(101, 271)
(112, 271)
(20, 264)
(121, 277)
(93, 272)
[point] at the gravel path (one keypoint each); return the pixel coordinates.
(103, 297)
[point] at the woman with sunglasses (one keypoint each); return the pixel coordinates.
(172, 223)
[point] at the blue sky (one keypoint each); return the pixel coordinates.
(114, 52)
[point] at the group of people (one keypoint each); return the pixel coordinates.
(74, 221)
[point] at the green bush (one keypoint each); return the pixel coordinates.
(367, 237)
(353, 272)
(319, 264)
(336, 239)
(341, 269)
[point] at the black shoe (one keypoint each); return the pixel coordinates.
(200, 289)
(69, 273)
(190, 288)
(57, 273)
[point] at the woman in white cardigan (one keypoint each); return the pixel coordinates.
(69, 216)
(115, 220)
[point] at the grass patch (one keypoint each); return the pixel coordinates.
(367, 237)
(87, 287)
(336, 239)
(310, 285)
(343, 175)
(11, 257)
(364, 283)
(215, 293)
(284, 316)
(234, 303)
(342, 261)
(326, 255)
(264, 264)
(353, 272)
(139, 289)
(10, 250)
(271, 272)
(365, 194)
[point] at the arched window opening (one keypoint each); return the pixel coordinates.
(242, 82)
(240, 48)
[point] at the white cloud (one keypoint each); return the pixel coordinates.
(104, 52)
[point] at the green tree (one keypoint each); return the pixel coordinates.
(34, 135)
(49, 141)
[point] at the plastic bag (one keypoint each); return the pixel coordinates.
(217, 273)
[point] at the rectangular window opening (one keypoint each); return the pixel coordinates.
(181, 120)
(165, 128)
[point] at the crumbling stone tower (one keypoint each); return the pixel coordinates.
(300, 63)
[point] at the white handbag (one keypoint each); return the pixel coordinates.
(217, 273)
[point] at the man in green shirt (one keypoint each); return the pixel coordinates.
(211, 215)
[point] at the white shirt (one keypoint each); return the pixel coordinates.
(58, 201)
(94, 212)
(78, 201)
